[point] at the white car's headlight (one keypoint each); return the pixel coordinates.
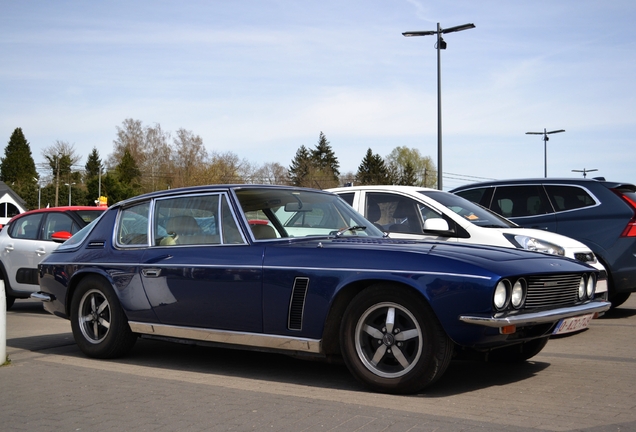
(537, 245)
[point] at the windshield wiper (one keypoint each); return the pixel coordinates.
(341, 231)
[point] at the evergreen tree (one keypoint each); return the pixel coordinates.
(300, 167)
(372, 170)
(408, 176)
(129, 175)
(17, 168)
(92, 177)
(324, 159)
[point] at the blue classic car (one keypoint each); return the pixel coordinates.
(298, 270)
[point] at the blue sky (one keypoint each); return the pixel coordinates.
(260, 78)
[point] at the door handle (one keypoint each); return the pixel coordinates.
(40, 251)
(8, 248)
(151, 272)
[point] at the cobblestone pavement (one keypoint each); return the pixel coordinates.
(581, 383)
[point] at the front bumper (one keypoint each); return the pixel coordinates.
(521, 318)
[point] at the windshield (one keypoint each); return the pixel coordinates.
(470, 211)
(302, 213)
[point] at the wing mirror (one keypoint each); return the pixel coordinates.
(436, 224)
(61, 236)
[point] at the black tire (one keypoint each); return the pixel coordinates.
(618, 299)
(518, 353)
(392, 342)
(99, 325)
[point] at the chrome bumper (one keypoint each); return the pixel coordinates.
(521, 319)
(42, 296)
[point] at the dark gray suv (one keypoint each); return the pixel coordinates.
(599, 213)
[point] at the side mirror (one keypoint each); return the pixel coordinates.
(61, 236)
(436, 224)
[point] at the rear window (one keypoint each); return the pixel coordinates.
(565, 197)
(89, 216)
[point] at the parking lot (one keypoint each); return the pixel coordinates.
(586, 382)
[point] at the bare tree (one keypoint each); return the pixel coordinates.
(61, 157)
(189, 156)
(158, 163)
(271, 173)
(132, 137)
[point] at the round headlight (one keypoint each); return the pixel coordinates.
(518, 293)
(500, 299)
(582, 288)
(591, 287)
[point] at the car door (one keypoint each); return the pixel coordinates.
(526, 205)
(199, 270)
(22, 252)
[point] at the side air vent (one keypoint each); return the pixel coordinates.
(297, 304)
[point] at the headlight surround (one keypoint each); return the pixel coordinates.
(590, 287)
(582, 287)
(518, 294)
(536, 245)
(501, 295)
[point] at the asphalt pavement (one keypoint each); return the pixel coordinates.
(582, 383)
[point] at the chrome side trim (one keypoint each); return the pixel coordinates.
(530, 318)
(42, 296)
(234, 338)
(258, 268)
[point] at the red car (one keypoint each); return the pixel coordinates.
(29, 237)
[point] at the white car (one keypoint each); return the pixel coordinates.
(412, 212)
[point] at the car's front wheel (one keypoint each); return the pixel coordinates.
(392, 341)
(99, 325)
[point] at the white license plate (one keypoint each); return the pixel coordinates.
(569, 325)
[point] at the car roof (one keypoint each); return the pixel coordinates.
(384, 187)
(212, 188)
(59, 210)
(549, 180)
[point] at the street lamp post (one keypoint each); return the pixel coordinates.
(545, 146)
(585, 171)
(441, 44)
(69, 192)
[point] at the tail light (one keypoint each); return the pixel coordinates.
(630, 229)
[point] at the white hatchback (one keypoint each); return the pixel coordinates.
(412, 212)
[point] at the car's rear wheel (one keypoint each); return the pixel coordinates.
(99, 325)
(518, 353)
(392, 341)
(618, 299)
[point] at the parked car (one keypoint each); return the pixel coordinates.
(599, 213)
(299, 271)
(32, 235)
(413, 212)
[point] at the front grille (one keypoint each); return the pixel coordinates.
(553, 290)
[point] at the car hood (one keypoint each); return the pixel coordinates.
(406, 254)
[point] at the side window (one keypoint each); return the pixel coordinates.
(132, 227)
(26, 227)
(480, 196)
(194, 220)
(394, 213)
(56, 222)
(569, 197)
(348, 197)
(231, 233)
(518, 201)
